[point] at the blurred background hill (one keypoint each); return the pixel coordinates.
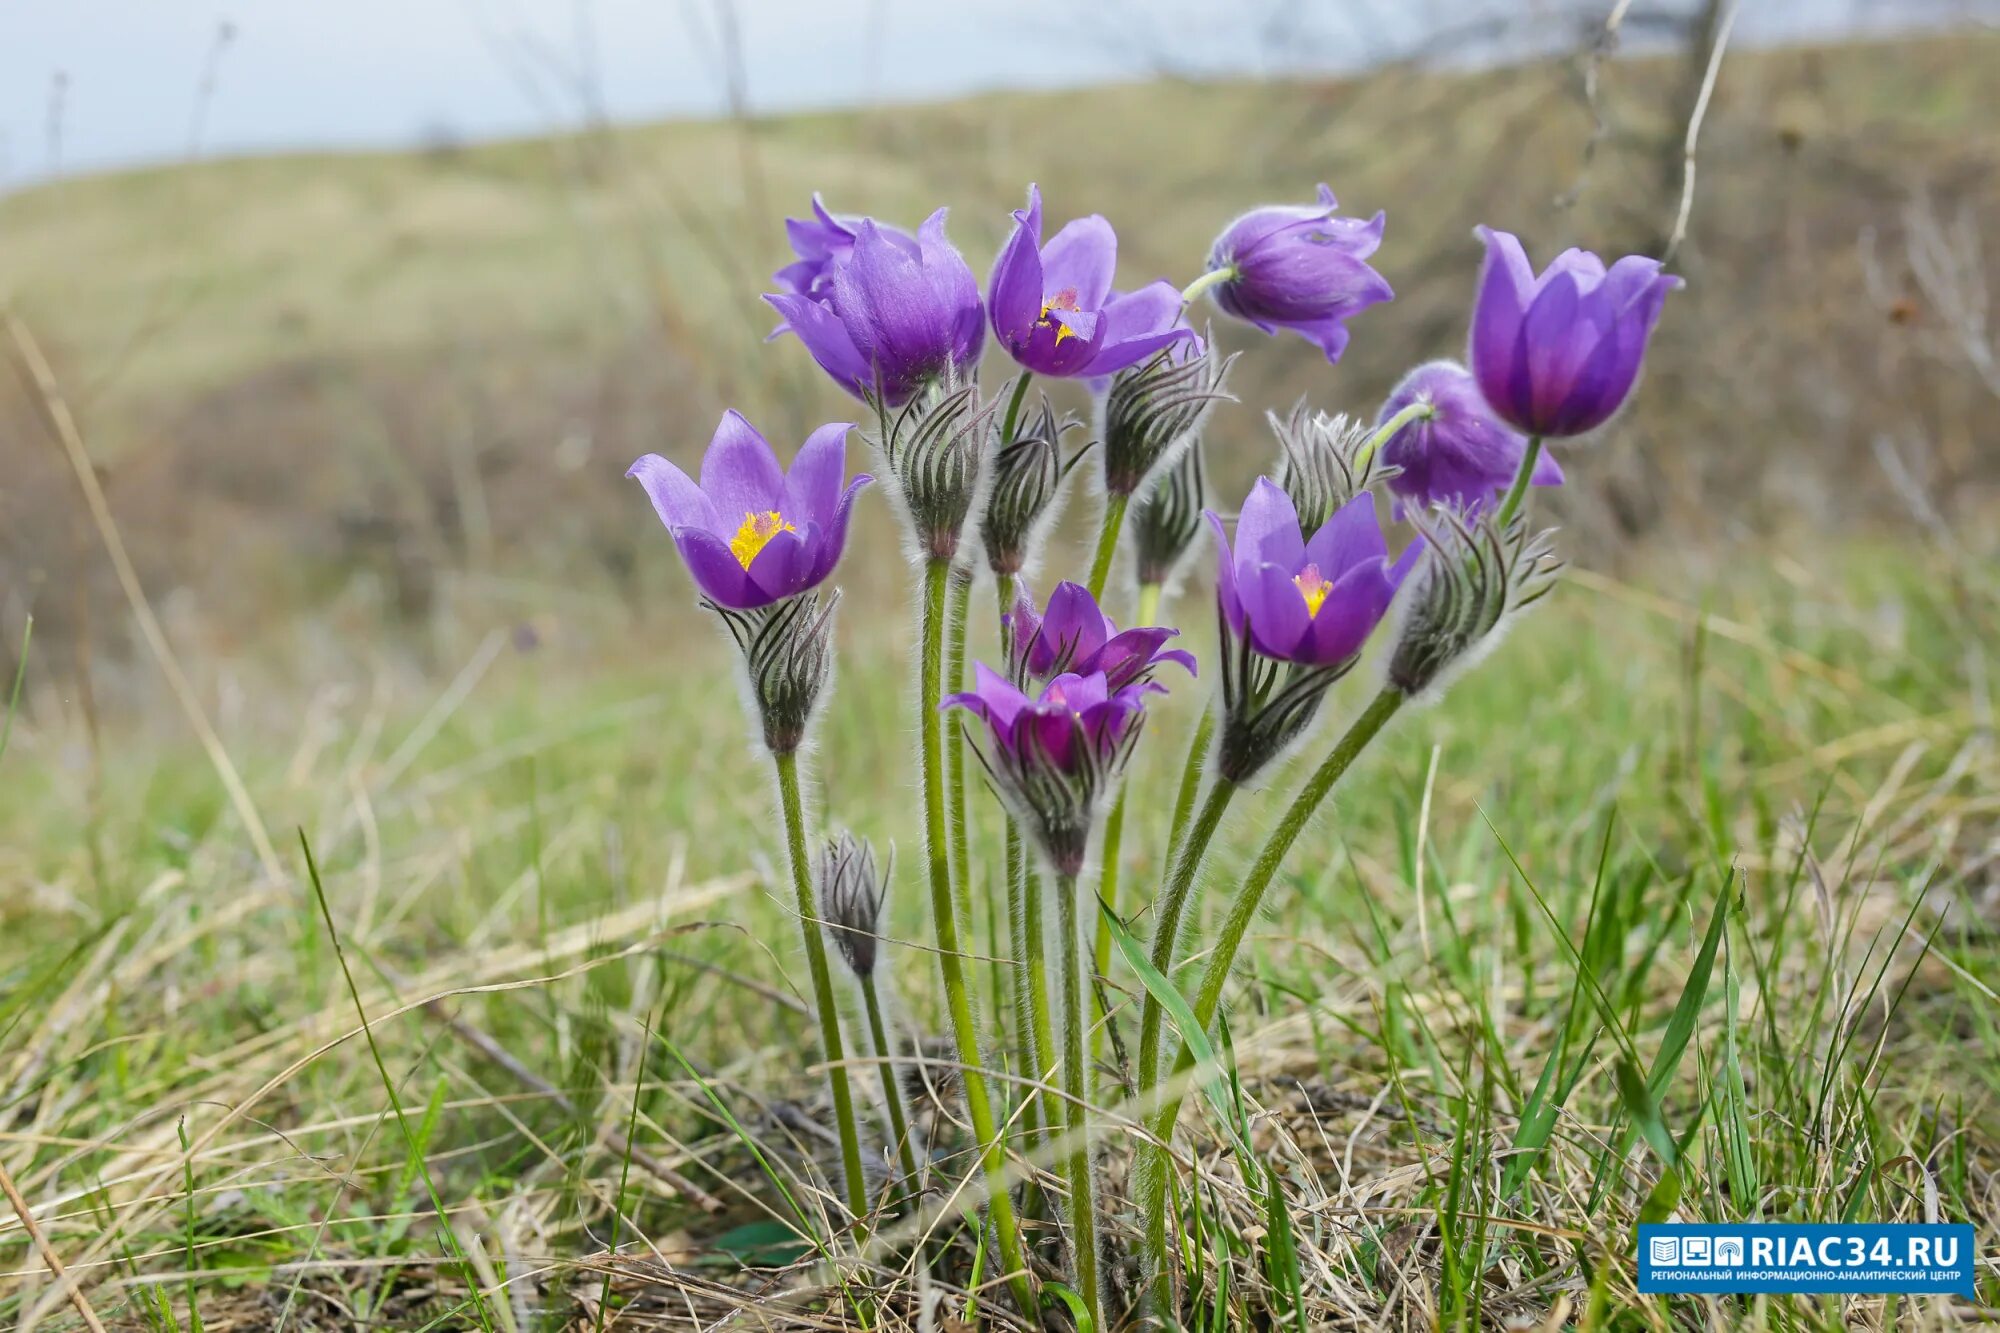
(406, 384)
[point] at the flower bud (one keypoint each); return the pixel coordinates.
(1474, 577)
(850, 899)
(1166, 517)
(1324, 461)
(934, 445)
(1028, 474)
(1155, 408)
(788, 655)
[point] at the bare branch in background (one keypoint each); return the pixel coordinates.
(1602, 48)
(1717, 47)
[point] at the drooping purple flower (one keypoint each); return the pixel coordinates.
(1053, 308)
(1461, 454)
(1075, 637)
(891, 315)
(1056, 754)
(819, 242)
(751, 533)
(1299, 267)
(1315, 601)
(1558, 354)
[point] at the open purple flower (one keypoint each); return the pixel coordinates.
(822, 240)
(1461, 454)
(891, 315)
(751, 533)
(1559, 353)
(1076, 637)
(1315, 601)
(1056, 754)
(1299, 268)
(1053, 307)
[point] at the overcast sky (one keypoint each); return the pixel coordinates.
(90, 84)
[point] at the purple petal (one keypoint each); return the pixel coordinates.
(889, 309)
(740, 473)
(957, 291)
(812, 487)
(1276, 610)
(1226, 594)
(677, 500)
(1351, 536)
(834, 535)
(1354, 606)
(1267, 530)
(826, 338)
(1079, 260)
(716, 570)
(784, 567)
(1073, 626)
(1555, 344)
(1014, 295)
(1138, 324)
(1506, 281)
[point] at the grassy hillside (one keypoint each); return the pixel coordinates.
(300, 366)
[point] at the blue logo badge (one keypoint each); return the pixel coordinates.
(1787, 1257)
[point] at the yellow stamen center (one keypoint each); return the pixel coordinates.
(756, 534)
(1312, 587)
(1062, 300)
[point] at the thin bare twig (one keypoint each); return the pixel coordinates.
(42, 1246)
(1695, 118)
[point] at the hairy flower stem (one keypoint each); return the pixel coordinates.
(1197, 763)
(1076, 1089)
(892, 1091)
(1040, 1035)
(1388, 429)
(1107, 542)
(1215, 277)
(1114, 832)
(1215, 973)
(944, 911)
(1107, 890)
(957, 604)
(1172, 904)
(822, 980)
(1511, 504)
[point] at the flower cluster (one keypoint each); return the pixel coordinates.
(1307, 576)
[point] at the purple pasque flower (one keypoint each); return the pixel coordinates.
(819, 242)
(1057, 753)
(1074, 636)
(891, 314)
(1313, 602)
(1053, 307)
(1299, 268)
(1461, 454)
(751, 533)
(1559, 353)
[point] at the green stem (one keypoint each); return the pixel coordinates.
(1173, 903)
(1014, 408)
(787, 764)
(1107, 889)
(1215, 973)
(892, 1091)
(958, 997)
(1041, 1031)
(1215, 277)
(1107, 542)
(1522, 476)
(1076, 1088)
(1388, 430)
(1149, 604)
(1197, 764)
(954, 755)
